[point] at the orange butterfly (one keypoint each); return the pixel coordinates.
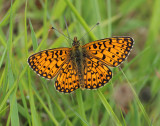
(81, 66)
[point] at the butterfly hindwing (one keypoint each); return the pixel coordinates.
(67, 79)
(111, 51)
(47, 63)
(96, 73)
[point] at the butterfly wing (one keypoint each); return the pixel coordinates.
(96, 73)
(47, 63)
(112, 51)
(67, 79)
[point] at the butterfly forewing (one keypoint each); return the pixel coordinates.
(47, 63)
(111, 51)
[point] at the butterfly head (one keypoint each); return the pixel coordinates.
(75, 42)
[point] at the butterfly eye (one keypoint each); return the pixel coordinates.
(76, 44)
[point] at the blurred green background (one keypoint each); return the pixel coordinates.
(131, 98)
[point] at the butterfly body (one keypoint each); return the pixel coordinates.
(78, 60)
(81, 66)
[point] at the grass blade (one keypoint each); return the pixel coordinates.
(108, 108)
(81, 106)
(2, 58)
(12, 97)
(46, 109)
(84, 24)
(34, 40)
(34, 114)
(137, 100)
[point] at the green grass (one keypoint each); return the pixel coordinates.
(27, 99)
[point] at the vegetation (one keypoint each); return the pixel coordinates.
(131, 98)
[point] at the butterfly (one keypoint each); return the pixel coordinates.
(84, 66)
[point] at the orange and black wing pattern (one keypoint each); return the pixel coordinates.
(96, 73)
(47, 63)
(67, 79)
(111, 51)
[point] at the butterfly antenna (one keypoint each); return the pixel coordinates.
(66, 26)
(89, 30)
(61, 33)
